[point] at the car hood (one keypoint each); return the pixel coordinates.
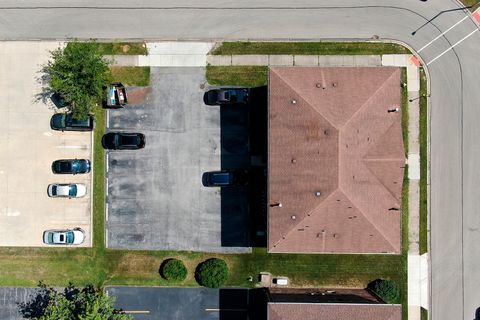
(79, 236)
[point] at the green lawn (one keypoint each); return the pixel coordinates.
(132, 76)
(246, 76)
(474, 4)
(423, 163)
(405, 117)
(123, 48)
(321, 48)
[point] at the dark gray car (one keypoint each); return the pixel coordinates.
(66, 122)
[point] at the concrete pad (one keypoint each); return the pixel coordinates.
(249, 60)
(178, 47)
(124, 60)
(27, 149)
(280, 60)
(330, 61)
(306, 60)
(367, 61)
(413, 162)
(219, 60)
(418, 280)
(395, 60)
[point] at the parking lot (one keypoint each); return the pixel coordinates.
(155, 198)
(27, 149)
(182, 303)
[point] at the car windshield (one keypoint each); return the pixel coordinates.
(50, 237)
(69, 236)
(54, 189)
(72, 191)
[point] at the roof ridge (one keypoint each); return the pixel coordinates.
(308, 103)
(367, 219)
(370, 98)
(306, 215)
(381, 183)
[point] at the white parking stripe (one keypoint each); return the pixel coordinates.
(464, 38)
(436, 38)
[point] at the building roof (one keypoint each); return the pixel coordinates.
(320, 311)
(335, 160)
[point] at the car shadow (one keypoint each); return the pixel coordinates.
(243, 139)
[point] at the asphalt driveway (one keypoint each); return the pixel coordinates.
(181, 303)
(156, 199)
(10, 298)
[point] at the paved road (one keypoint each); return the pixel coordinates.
(455, 152)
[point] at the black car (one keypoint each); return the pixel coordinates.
(123, 141)
(71, 166)
(225, 178)
(226, 96)
(66, 122)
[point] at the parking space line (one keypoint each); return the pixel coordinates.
(106, 211)
(441, 34)
(136, 311)
(453, 46)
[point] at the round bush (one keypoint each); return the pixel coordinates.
(385, 289)
(212, 273)
(173, 269)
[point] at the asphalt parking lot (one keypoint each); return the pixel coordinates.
(181, 303)
(27, 149)
(10, 298)
(155, 198)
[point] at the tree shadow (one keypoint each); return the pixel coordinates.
(35, 307)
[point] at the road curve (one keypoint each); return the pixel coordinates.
(454, 101)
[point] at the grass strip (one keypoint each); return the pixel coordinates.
(471, 4)
(122, 48)
(245, 76)
(320, 48)
(132, 76)
(423, 140)
(405, 117)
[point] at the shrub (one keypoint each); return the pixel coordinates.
(385, 289)
(173, 269)
(212, 273)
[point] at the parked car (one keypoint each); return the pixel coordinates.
(123, 141)
(65, 237)
(66, 122)
(115, 96)
(225, 178)
(226, 96)
(71, 166)
(66, 190)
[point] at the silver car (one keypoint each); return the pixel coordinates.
(64, 237)
(69, 190)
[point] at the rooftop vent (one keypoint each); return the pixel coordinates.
(293, 101)
(317, 194)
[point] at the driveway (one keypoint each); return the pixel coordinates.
(181, 303)
(156, 199)
(27, 149)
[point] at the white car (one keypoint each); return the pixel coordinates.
(65, 237)
(69, 190)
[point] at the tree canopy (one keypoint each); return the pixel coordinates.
(87, 303)
(78, 72)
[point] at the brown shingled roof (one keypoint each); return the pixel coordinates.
(318, 311)
(336, 160)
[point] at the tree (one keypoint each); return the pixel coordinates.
(212, 273)
(78, 74)
(173, 269)
(87, 303)
(385, 289)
